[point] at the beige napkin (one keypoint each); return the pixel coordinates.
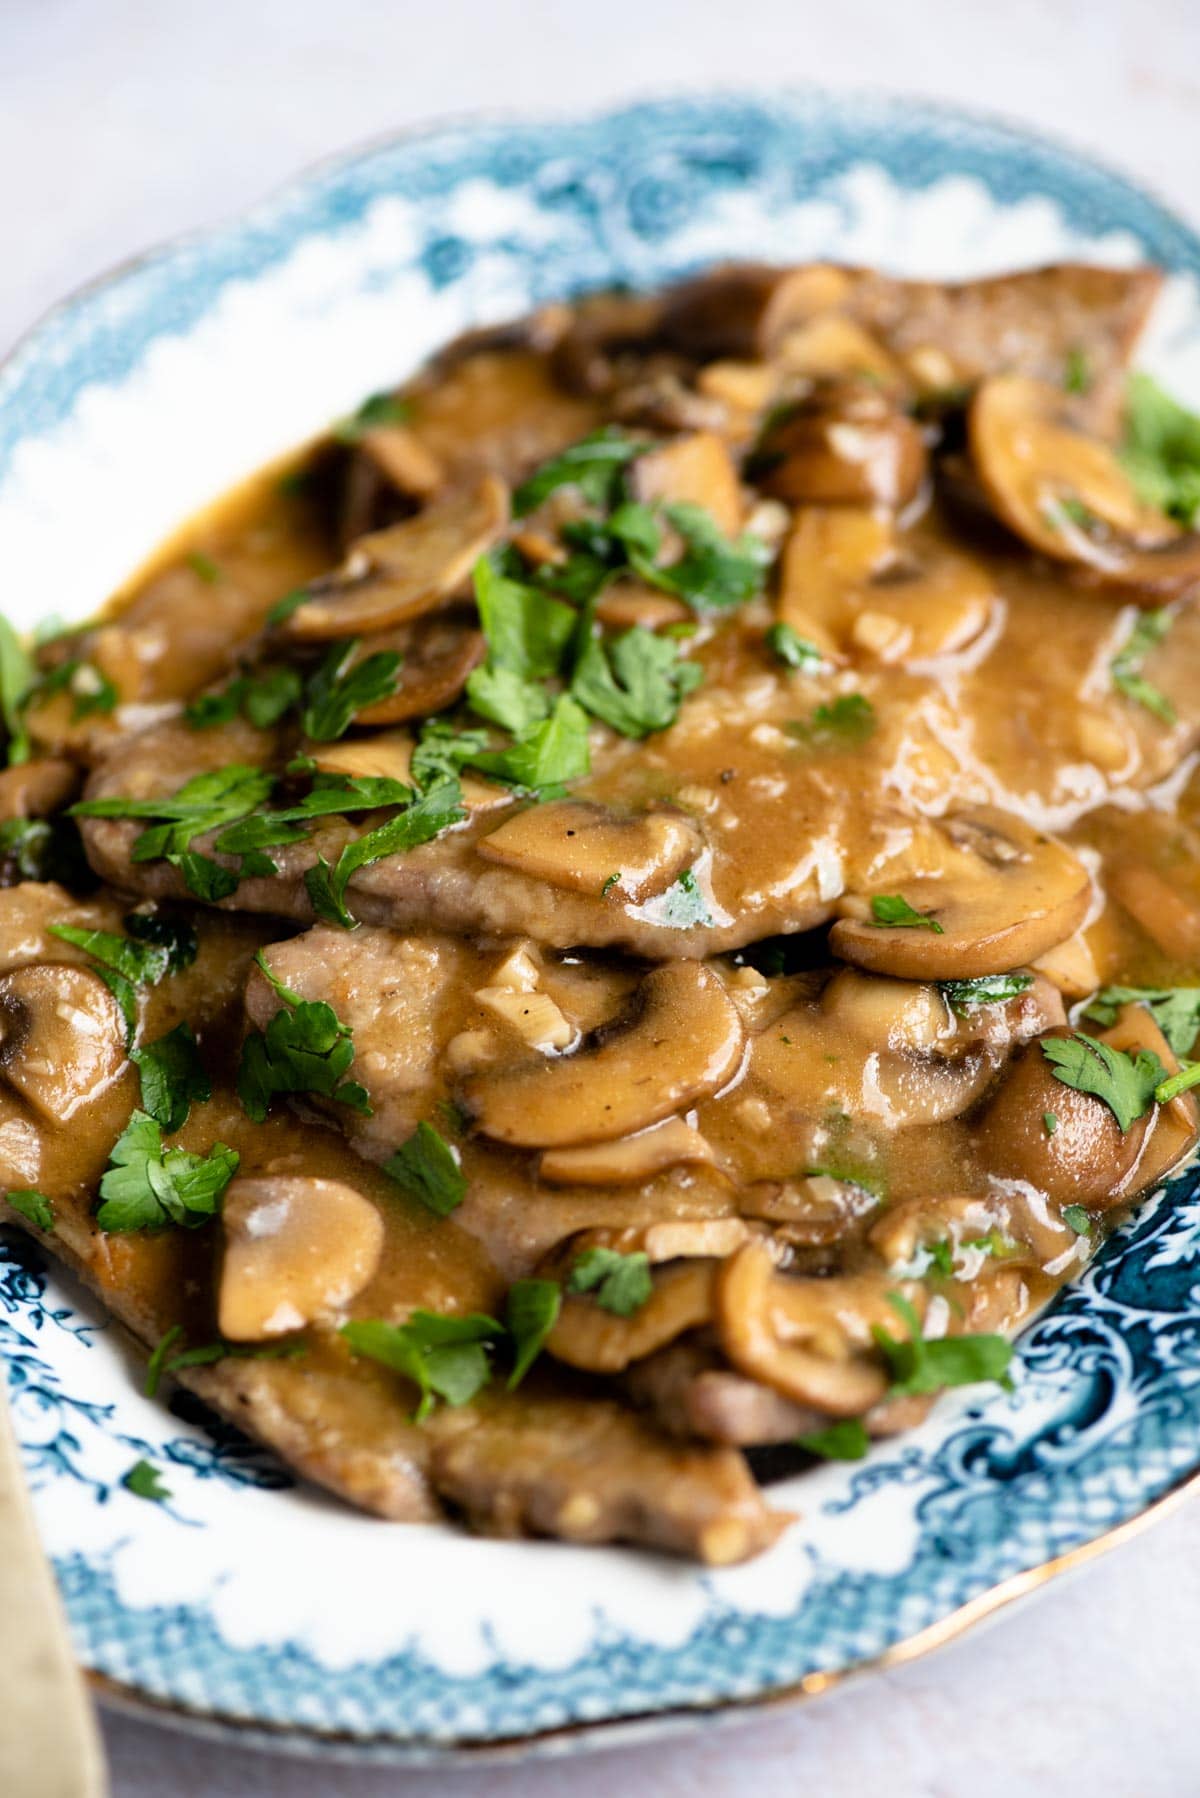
(49, 1743)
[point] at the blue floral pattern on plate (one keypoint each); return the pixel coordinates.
(1105, 1418)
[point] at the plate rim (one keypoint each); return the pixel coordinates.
(989, 131)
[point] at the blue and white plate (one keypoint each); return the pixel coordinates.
(249, 1600)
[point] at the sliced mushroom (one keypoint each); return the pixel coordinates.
(682, 1041)
(437, 660)
(1004, 894)
(400, 573)
(629, 1160)
(1065, 493)
(403, 459)
(808, 1339)
(597, 1341)
(294, 1249)
(1029, 1229)
(843, 444)
(579, 845)
(850, 583)
(1169, 917)
(62, 1038)
(695, 470)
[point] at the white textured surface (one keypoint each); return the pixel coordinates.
(126, 121)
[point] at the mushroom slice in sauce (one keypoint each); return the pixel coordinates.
(294, 1249)
(590, 848)
(406, 570)
(629, 1159)
(682, 1041)
(696, 470)
(596, 1341)
(1006, 893)
(1066, 493)
(62, 1038)
(843, 444)
(437, 658)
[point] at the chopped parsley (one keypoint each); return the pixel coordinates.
(683, 904)
(172, 1077)
(595, 466)
(1175, 1009)
(531, 1312)
(444, 1357)
(1125, 1083)
(1049, 1122)
(1161, 451)
(843, 723)
(304, 1049)
(921, 1366)
(283, 608)
(263, 699)
(610, 882)
(90, 689)
(32, 1205)
(204, 566)
(891, 911)
(552, 754)
(206, 1354)
(342, 687)
(845, 1440)
(636, 683)
(125, 964)
(428, 1168)
(17, 677)
(619, 1283)
(793, 649)
(1126, 667)
(715, 572)
(1175, 1084)
(207, 802)
(966, 996)
(1077, 374)
(147, 1187)
(419, 822)
(144, 1481)
(1077, 1219)
(377, 411)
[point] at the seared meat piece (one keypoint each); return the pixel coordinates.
(690, 1390)
(588, 1471)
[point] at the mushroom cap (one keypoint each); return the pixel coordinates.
(682, 1041)
(1004, 894)
(580, 845)
(293, 1249)
(410, 568)
(62, 1037)
(696, 469)
(843, 445)
(1038, 468)
(597, 1341)
(629, 1160)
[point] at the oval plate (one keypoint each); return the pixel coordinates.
(246, 1600)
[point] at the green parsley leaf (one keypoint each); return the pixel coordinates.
(205, 803)
(207, 1354)
(32, 1205)
(610, 882)
(444, 1357)
(1077, 1219)
(172, 1077)
(794, 649)
(527, 630)
(91, 690)
(1077, 375)
(920, 1366)
(636, 683)
(148, 1187)
(845, 1440)
(1123, 1082)
(124, 964)
(891, 911)
(966, 996)
(304, 1049)
(443, 751)
(715, 572)
(143, 1481)
(17, 679)
(1161, 452)
(428, 1168)
(683, 904)
(532, 1312)
(283, 608)
(941, 1257)
(844, 723)
(1175, 1009)
(438, 807)
(594, 465)
(342, 687)
(377, 411)
(208, 570)
(1049, 1122)
(514, 704)
(264, 699)
(621, 1283)
(554, 752)
(1126, 667)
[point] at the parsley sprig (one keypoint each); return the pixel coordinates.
(1125, 1083)
(620, 1283)
(149, 1187)
(427, 1167)
(305, 1048)
(1175, 1009)
(1126, 666)
(918, 1365)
